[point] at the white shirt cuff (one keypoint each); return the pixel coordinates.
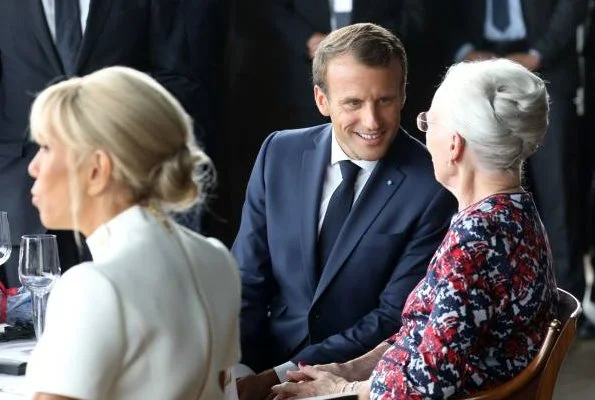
(281, 370)
(241, 370)
(463, 51)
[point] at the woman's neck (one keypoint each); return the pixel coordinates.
(101, 211)
(477, 185)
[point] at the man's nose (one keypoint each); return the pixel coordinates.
(370, 118)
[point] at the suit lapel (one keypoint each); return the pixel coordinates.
(98, 12)
(40, 25)
(381, 186)
(314, 163)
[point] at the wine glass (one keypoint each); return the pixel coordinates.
(5, 245)
(39, 268)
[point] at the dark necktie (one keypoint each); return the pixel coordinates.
(500, 14)
(68, 33)
(336, 212)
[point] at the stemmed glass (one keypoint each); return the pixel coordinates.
(5, 244)
(39, 268)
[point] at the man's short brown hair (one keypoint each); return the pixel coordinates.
(369, 44)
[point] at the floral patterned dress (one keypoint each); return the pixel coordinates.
(482, 310)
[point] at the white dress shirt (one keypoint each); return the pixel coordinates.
(155, 315)
(333, 177)
(49, 6)
(516, 29)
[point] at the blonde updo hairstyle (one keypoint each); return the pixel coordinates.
(142, 127)
(500, 108)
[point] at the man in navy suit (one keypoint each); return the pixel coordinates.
(298, 306)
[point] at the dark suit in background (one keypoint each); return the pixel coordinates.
(141, 34)
(295, 21)
(552, 171)
(383, 250)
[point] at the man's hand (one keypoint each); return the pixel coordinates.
(528, 60)
(316, 383)
(257, 387)
(313, 43)
(479, 55)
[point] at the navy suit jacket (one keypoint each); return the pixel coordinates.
(394, 227)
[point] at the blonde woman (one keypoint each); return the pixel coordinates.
(155, 315)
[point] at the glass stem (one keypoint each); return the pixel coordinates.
(39, 302)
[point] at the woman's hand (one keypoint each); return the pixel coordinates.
(316, 382)
(339, 370)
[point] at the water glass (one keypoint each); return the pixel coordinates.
(39, 268)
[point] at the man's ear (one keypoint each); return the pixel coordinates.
(321, 101)
(98, 172)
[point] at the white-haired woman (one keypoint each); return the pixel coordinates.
(481, 312)
(155, 315)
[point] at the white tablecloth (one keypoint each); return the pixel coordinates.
(13, 387)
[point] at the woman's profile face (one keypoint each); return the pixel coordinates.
(438, 138)
(51, 190)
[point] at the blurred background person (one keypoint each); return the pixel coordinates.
(302, 24)
(42, 41)
(155, 315)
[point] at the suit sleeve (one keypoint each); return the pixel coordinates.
(295, 30)
(461, 31)
(412, 23)
(173, 25)
(251, 251)
(567, 15)
(382, 322)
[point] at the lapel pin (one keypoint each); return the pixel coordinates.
(389, 182)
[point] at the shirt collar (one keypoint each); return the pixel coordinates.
(337, 154)
(109, 234)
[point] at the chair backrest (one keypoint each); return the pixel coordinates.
(538, 380)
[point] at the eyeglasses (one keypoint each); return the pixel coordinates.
(423, 124)
(422, 121)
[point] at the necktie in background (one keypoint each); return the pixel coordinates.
(68, 33)
(500, 14)
(336, 212)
